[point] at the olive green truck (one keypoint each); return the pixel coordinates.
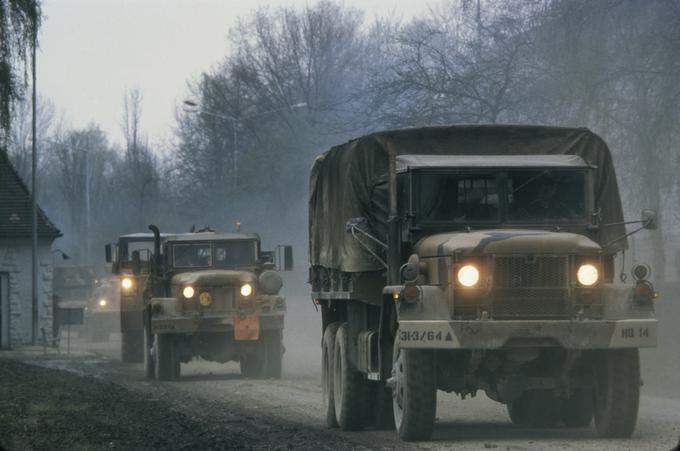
(215, 296)
(468, 258)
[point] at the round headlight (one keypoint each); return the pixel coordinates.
(126, 283)
(246, 290)
(205, 299)
(468, 276)
(587, 275)
(102, 302)
(188, 292)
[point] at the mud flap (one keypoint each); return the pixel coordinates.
(247, 328)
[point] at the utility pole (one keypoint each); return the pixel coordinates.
(34, 204)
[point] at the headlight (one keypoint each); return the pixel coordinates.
(205, 299)
(126, 283)
(188, 292)
(587, 275)
(468, 276)
(246, 290)
(102, 302)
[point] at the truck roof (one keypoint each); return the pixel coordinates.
(406, 162)
(141, 236)
(212, 236)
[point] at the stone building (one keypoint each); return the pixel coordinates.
(16, 306)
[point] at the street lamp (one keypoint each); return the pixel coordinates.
(195, 108)
(34, 206)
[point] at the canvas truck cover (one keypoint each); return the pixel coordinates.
(350, 180)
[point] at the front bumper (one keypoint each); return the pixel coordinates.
(496, 334)
(224, 324)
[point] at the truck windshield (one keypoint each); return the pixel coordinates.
(235, 253)
(458, 198)
(546, 195)
(192, 255)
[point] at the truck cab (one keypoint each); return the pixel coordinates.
(217, 297)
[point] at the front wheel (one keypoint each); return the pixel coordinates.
(167, 361)
(148, 350)
(617, 392)
(577, 411)
(273, 351)
(414, 392)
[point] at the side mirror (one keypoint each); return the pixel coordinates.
(284, 258)
(107, 253)
(136, 263)
(649, 219)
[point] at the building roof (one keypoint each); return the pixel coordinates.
(15, 206)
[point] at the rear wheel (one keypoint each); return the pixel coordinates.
(617, 392)
(327, 348)
(132, 350)
(350, 389)
(167, 363)
(414, 392)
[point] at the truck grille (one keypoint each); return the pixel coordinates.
(530, 286)
(222, 300)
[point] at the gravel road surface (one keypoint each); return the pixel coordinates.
(207, 391)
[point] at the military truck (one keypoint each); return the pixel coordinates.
(73, 288)
(468, 258)
(215, 296)
(132, 286)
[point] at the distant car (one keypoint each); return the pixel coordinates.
(72, 289)
(102, 316)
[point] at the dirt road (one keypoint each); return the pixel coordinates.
(477, 423)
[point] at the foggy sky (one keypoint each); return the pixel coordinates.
(92, 51)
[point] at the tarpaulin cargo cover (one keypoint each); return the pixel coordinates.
(350, 180)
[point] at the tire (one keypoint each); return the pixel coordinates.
(132, 346)
(327, 349)
(414, 392)
(253, 365)
(617, 392)
(273, 351)
(535, 408)
(577, 411)
(165, 357)
(148, 354)
(350, 389)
